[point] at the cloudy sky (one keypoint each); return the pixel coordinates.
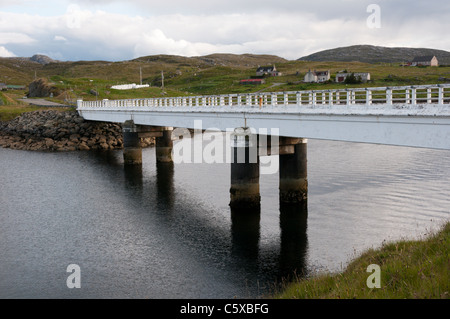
(121, 30)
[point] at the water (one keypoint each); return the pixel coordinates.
(166, 231)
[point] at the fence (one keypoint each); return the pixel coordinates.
(429, 94)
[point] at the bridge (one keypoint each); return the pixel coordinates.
(414, 116)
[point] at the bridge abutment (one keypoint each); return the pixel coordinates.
(294, 171)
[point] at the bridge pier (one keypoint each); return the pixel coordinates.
(132, 151)
(293, 171)
(244, 190)
(164, 146)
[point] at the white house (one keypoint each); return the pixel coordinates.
(340, 77)
(317, 76)
(429, 60)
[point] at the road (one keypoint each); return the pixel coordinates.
(43, 103)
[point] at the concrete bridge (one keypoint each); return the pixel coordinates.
(280, 123)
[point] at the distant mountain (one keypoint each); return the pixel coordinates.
(217, 59)
(42, 59)
(374, 54)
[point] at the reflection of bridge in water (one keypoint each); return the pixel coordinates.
(416, 116)
(240, 249)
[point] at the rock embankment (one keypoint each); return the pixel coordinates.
(61, 131)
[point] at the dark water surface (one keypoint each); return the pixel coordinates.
(166, 231)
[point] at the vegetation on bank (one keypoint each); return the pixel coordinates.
(11, 107)
(409, 270)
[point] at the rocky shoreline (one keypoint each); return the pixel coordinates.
(57, 131)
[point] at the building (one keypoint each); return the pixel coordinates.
(429, 60)
(267, 71)
(364, 77)
(3, 87)
(317, 76)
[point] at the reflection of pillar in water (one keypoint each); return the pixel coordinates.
(245, 233)
(244, 190)
(164, 183)
(134, 176)
(294, 239)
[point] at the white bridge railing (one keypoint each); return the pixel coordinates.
(423, 94)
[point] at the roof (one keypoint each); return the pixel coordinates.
(318, 73)
(265, 69)
(423, 58)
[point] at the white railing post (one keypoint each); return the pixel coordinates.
(429, 100)
(413, 96)
(389, 96)
(441, 95)
(274, 99)
(368, 97)
(330, 97)
(349, 97)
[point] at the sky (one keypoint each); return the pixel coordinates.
(117, 30)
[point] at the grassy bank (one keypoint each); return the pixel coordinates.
(409, 269)
(11, 107)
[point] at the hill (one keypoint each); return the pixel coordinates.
(375, 54)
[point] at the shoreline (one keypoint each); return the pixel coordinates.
(408, 269)
(61, 131)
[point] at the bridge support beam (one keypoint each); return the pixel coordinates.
(164, 146)
(132, 151)
(244, 191)
(293, 172)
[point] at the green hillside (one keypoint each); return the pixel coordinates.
(213, 74)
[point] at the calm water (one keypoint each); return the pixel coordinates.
(166, 231)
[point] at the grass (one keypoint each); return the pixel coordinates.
(409, 270)
(190, 76)
(11, 108)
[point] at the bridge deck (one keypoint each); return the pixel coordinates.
(406, 116)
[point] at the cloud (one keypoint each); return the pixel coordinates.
(59, 38)
(5, 53)
(89, 30)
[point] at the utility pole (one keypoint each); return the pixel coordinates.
(140, 73)
(162, 81)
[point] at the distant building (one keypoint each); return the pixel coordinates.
(252, 81)
(3, 87)
(340, 77)
(429, 60)
(132, 86)
(317, 76)
(267, 70)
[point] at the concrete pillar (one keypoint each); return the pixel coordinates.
(132, 151)
(294, 173)
(244, 191)
(164, 146)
